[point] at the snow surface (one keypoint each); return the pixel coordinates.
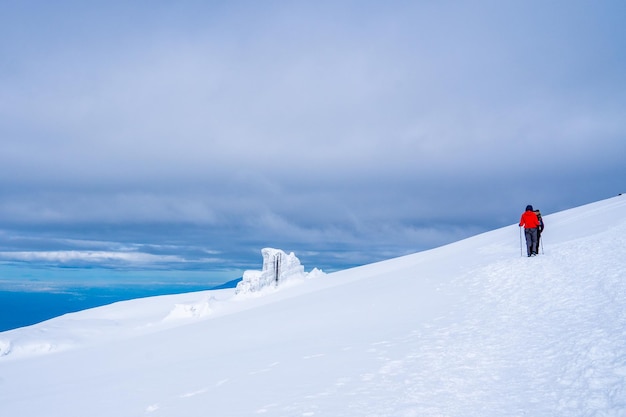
(467, 329)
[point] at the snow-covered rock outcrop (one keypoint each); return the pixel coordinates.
(278, 267)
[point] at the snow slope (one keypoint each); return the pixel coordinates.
(467, 329)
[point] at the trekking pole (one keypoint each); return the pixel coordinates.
(541, 242)
(520, 242)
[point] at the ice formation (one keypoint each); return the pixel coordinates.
(278, 267)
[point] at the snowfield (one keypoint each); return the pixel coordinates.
(467, 329)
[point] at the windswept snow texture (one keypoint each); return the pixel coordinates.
(467, 329)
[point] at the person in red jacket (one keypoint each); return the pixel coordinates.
(531, 223)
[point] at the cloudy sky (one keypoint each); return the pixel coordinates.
(192, 134)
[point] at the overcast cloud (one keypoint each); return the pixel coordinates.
(348, 132)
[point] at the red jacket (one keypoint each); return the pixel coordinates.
(529, 220)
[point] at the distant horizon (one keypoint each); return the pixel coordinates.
(67, 288)
(37, 300)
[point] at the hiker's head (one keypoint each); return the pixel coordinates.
(529, 208)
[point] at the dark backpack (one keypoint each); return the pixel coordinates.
(538, 213)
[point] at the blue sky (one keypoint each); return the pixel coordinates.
(189, 135)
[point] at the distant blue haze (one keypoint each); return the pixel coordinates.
(30, 295)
